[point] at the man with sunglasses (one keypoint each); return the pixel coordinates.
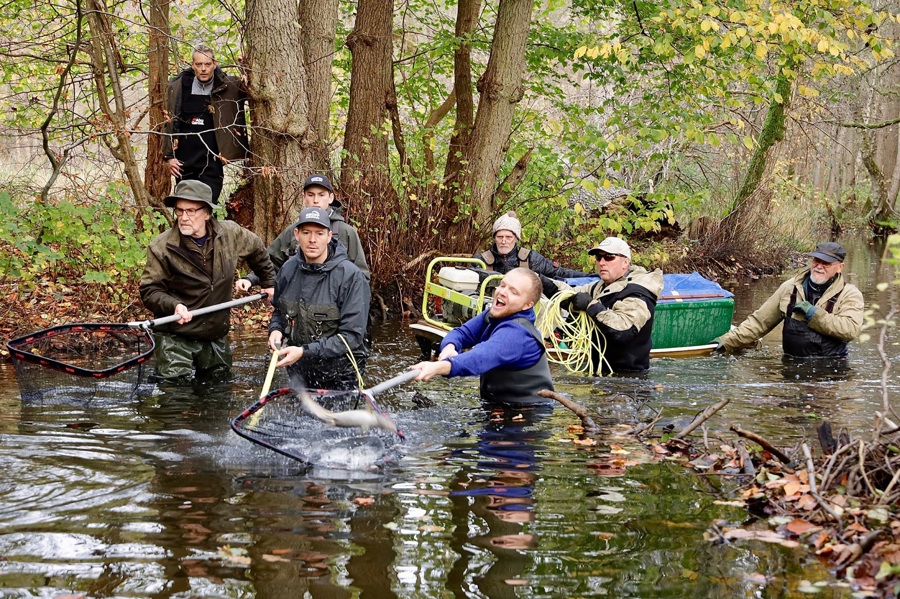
(820, 310)
(622, 304)
(191, 266)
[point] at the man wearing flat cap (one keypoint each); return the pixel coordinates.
(191, 266)
(321, 308)
(621, 304)
(820, 310)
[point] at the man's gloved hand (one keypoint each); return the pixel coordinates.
(806, 308)
(580, 301)
(720, 347)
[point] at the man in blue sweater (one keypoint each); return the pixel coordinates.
(504, 347)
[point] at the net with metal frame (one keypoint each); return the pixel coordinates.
(279, 422)
(81, 362)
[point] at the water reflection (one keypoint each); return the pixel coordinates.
(496, 484)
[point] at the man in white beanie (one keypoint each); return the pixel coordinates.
(621, 304)
(505, 255)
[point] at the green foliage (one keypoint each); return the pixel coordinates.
(89, 241)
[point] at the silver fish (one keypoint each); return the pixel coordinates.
(363, 419)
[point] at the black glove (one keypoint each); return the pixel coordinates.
(579, 302)
(595, 309)
(548, 287)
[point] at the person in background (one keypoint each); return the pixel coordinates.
(191, 266)
(505, 255)
(321, 308)
(504, 347)
(318, 192)
(622, 304)
(207, 126)
(820, 310)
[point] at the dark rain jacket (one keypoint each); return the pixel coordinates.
(179, 272)
(227, 106)
(624, 326)
(546, 269)
(316, 305)
(838, 319)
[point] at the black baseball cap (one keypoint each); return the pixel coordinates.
(829, 251)
(320, 180)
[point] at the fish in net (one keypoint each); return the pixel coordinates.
(81, 362)
(280, 422)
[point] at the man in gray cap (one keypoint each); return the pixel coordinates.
(317, 192)
(192, 266)
(321, 308)
(621, 304)
(820, 310)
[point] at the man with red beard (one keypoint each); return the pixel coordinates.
(504, 347)
(821, 311)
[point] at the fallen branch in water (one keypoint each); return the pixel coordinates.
(579, 410)
(761, 442)
(703, 417)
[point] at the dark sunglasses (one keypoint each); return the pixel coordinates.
(606, 257)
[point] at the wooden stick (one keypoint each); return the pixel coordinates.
(703, 417)
(748, 466)
(578, 409)
(811, 477)
(761, 442)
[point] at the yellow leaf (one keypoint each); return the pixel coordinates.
(778, 98)
(699, 51)
(822, 46)
(748, 142)
(580, 52)
(593, 52)
(761, 50)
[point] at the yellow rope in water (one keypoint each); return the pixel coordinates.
(578, 335)
(359, 378)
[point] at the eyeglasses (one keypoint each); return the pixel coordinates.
(606, 257)
(189, 212)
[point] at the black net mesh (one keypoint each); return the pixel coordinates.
(81, 362)
(280, 423)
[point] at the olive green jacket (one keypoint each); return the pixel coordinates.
(178, 272)
(843, 322)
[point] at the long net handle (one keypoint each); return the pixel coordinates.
(149, 324)
(391, 383)
(269, 375)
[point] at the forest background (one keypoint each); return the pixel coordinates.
(712, 135)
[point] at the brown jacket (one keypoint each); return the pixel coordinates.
(176, 274)
(227, 107)
(843, 322)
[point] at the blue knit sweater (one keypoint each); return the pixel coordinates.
(492, 343)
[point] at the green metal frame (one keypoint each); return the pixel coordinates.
(438, 290)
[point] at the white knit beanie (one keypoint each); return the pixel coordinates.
(509, 222)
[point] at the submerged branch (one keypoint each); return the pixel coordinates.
(761, 442)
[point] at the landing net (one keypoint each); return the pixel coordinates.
(81, 362)
(279, 422)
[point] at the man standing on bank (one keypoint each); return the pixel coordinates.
(820, 310)
(207, 125)
(504, 347)
(192, 266)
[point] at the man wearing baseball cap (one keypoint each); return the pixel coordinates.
(192, 266)
(820, 310)
(622, 304)
(317, 191)
(321, 308)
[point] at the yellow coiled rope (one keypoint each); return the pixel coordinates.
(352, 358)
(578, 335)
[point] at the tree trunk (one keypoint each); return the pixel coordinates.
(772, 132)
(466, 18)
(365, 170)
(279, 112)
(318, 25)
(157, 178)
(500, 89)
